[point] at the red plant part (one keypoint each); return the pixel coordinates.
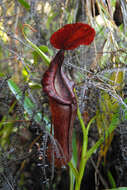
(71, 36)
(59, 88)
(63, 106)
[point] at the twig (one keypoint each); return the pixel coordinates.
(98, 172)
(7, 181)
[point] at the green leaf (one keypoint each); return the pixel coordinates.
(40, 52)
(74, 170)
(73, 164)
(28, 105)
(111, 179)
(35, 86)
(114, 123)
(2, 74)
(124, 110)
(119, 188)
(24, 4)
(44, 49)
(44, 57)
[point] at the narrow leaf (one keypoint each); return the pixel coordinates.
(24, 4)
(120, 188)
(28, 105)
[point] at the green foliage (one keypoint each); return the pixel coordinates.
(51, 18)
(80, 172)
(6, 129)
(73, 164)
(27, 103)
(120, 188)
(41, 50)
(111, 179)
(25, 4)
(86, 154)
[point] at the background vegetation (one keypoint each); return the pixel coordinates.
(99, 72)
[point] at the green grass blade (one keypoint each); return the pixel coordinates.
(28, 105)
(25, 4)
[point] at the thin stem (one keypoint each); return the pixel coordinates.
(84, 150)
(74, 170)
(37, 49)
